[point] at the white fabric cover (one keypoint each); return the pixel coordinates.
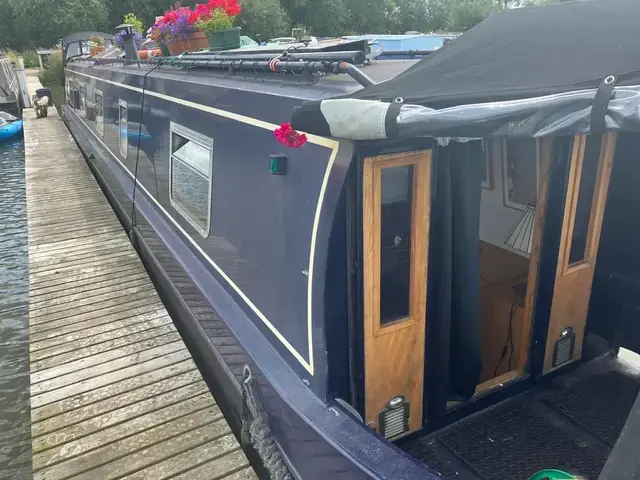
(355, 119)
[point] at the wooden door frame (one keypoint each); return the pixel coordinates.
(564, 270)
(414, 326)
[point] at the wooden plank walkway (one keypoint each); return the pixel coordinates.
(114, 391)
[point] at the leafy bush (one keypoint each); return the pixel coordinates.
(13, 56)
(54, 73)
(134, 21)
(30, 58)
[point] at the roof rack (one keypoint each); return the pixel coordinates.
(355, 57)
(277, 64)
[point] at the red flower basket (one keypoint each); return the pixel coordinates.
(287, 135)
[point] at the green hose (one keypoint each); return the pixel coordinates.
(552, 475)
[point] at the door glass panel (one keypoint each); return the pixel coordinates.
(584, 204)
(395, 237)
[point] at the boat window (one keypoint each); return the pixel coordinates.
(123, 134)
(99, 112)
(191, 165)
(83, 100)
(520, 164)
(395, 242)
(584, 204)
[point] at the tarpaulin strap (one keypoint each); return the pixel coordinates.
(601, 104)
(391, 118)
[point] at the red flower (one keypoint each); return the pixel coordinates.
(288, 136)
(203, 11)
(230, 7)
(193, 18)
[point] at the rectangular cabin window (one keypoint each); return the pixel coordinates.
(99, 112)
(395, 241)
(191, 166)
(83, 100)
(587, 181)
(122, 128)
(520, 167)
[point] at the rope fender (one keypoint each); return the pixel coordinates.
(255, 431)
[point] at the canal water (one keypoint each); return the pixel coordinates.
(15, 424)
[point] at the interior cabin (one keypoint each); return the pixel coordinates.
(438, 282)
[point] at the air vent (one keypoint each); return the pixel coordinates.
(563, 349)
(394, 420)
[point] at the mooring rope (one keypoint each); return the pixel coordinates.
(255, 430)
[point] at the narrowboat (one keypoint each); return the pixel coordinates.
(386, 271)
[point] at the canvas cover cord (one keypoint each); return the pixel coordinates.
(567, 113)
(600, 104)
(255, 431)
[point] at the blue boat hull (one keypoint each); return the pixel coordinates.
(10, 130)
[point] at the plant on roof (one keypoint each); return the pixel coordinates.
(119, 41)
(178, 22)
(217, 15)
(135, 22)
(96, 41)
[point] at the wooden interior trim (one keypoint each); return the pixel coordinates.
(546, 150)
(394, 353)
(572, 289)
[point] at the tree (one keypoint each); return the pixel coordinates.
(43, 23)
(7, 34)
(466, 14)
(264, 17)
(411, 15)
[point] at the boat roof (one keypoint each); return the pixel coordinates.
(290, 85)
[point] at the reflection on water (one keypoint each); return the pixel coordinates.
(15, 439)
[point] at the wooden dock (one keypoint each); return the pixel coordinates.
(114, 391)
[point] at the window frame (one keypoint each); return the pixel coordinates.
(121, 104)
(598, 202)
(205, 142)
(100, 125)
(505, 175)
(82, 93)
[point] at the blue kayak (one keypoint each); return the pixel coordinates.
(10, 130)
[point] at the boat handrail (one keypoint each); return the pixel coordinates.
(277, 64)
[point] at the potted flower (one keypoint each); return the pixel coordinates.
(117, 40)
(216, 22)
(96, 45)
(159, 33)
(181, 31)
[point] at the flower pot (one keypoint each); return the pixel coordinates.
(225, 39)
(164, 50)
(197, 41)
(194, 41)
(96, 50)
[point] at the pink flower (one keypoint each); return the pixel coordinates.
(288, 136)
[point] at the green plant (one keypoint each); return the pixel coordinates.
(218, 20)
(54, 72)
(13, 56)
(30, 58)
(134, 21)
(98, 41)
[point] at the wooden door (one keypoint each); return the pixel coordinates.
(396, 201)
(589, 174)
